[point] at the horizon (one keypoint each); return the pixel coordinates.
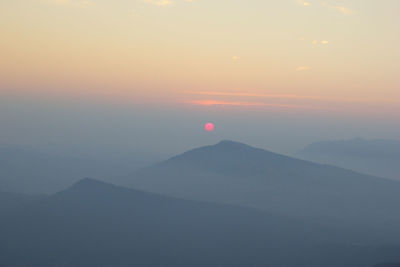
(147, 75)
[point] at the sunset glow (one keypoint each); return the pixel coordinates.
(301, 54)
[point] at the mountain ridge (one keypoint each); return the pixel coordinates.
(378, 157)
(93, 223)
(234, 173)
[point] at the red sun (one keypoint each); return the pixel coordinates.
(209, 127)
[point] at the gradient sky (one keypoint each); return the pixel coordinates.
(276, 74)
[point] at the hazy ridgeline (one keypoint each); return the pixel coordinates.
(237, 174)
(38, 171)
(377, 157)
(31, 170)
(223, 205)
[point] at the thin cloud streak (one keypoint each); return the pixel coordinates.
(303, 3)
(342, 9)
(283, 96)
(159, 2)
(291, 96)
(223, 103)
(245, 104)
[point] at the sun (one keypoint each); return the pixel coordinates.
(209, 127)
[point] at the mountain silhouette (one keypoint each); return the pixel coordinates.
(235, 173)
(97, 224)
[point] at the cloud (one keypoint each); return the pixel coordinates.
(159, 2)
(342, 9)
(288, 97)
(223, 103)
(276, 96)
(324, 42)
(218, 103)
(303, 3)
(279, 101)
(235, 57)
(302, 68)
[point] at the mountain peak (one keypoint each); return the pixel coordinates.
(223, 147)
(228, 156)
(230, 143)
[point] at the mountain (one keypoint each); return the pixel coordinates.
(375, 157)
(32, 171)
(235, 173)
(98, 224)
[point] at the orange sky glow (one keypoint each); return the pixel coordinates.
(339, 56)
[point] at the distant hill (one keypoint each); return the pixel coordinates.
(98, 224)
(31, 171)
(375, 157)
(234, 173)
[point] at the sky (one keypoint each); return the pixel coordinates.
(146, 75)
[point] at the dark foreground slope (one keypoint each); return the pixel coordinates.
(97, 224)
(235, 173)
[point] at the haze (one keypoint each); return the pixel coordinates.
(149, 74)
(200, 133)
